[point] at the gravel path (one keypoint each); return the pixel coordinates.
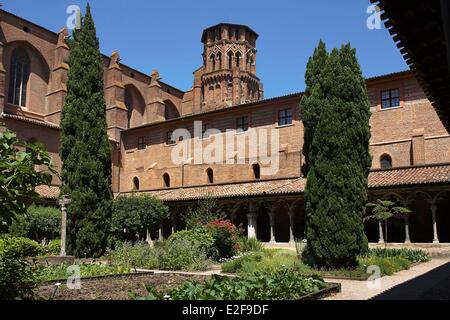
(429, 281)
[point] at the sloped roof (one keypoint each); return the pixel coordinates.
(398, 177)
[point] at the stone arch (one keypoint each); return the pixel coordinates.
(299, 219)
(170, 110)
(395, 225)
(166, 180)
(135, 105)
(263, 223)
(421, 224)
(256, 167)
(136, 184)
(442, 201)
(386, 161)
(210, 176)
(38, 75)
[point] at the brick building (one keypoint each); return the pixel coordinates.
(410, 145)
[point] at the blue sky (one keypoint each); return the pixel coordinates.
(165, 35)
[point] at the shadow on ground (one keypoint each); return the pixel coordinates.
(434, 285)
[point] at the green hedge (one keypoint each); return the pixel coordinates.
(22, 247)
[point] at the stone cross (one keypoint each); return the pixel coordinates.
(64, 202)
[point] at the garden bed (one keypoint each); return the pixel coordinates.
(114, 287)
(331, 289)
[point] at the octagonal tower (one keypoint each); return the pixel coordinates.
(229, 67)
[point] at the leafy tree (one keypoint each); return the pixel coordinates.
(18, 177)
(383, 210)
(133, 216)
(203, 213)
(339, 165)
(85, 147)
(38, 223)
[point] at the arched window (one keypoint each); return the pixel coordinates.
(386, 162)
(136, 185)
(238, 59)
(219, 60)
(257, 171)
(129, 105)
(18, 77)
(213, 62)
(230, 60)
(166, 179)
(210, 174)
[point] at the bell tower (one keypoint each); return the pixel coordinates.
(229, 67)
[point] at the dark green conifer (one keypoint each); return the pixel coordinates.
(340, 161)
(85, 147)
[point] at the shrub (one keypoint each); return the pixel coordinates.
(16, 275)
(22, 247)
(53, 248)
(138, 255)
(174, 255)
(198, 237)
(182, 254)
(265, 261)
(281, 284)
(249, 245)
(225, 236)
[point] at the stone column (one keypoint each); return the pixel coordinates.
(380, 231)
(252, 220)
(174, 222)
(434, 217)
(407, 238)
(161, 234)
(291, 225)
(64, 202)
(272, 224)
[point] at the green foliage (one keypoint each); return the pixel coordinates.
(18, 178)
(265, 261)
(199, 237)
(311, 105)
(17, 279)
(85, 148)
(225, 236)
(281, 284)
(182, 254)
(61, 272)
(53, 248)
(133, 216)
(249, 245)
(414, 256)
(387, 265)
(338, 158)
(38, 223)
(179, 253)
(203, 213)
(137, 255)
(383, 210)
(22, 247)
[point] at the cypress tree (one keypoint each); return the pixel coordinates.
(312, 101)
(336, 191)
(85, 147)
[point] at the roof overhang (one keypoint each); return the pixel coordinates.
(421, 30)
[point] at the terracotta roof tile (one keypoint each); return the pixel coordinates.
(48, 192)
(420, 175)
(409, 176)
